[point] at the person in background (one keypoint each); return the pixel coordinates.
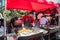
(52, 21)
(8, 27)
(48, 11)
(53, 15)
(39, 15)
(12, 22)
(1, 29)
(48, 17)
(1, 32)
(57, 20)
(43, 21)
(16, 23)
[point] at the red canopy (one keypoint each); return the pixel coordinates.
(27, 5)
(40, 7)
(39, 1)
(18, 4)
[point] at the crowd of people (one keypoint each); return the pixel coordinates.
(30, 20)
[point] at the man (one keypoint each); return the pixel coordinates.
(28, 19)
(16, 23)
(39, 15)
(43, 21)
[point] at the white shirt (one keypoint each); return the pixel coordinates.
(1, 31)
(43, 20)
(1, 17)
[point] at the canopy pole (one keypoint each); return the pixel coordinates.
(4, 26)
(4, 14)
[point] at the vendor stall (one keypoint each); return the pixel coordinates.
(33, 33)
(40, 34)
